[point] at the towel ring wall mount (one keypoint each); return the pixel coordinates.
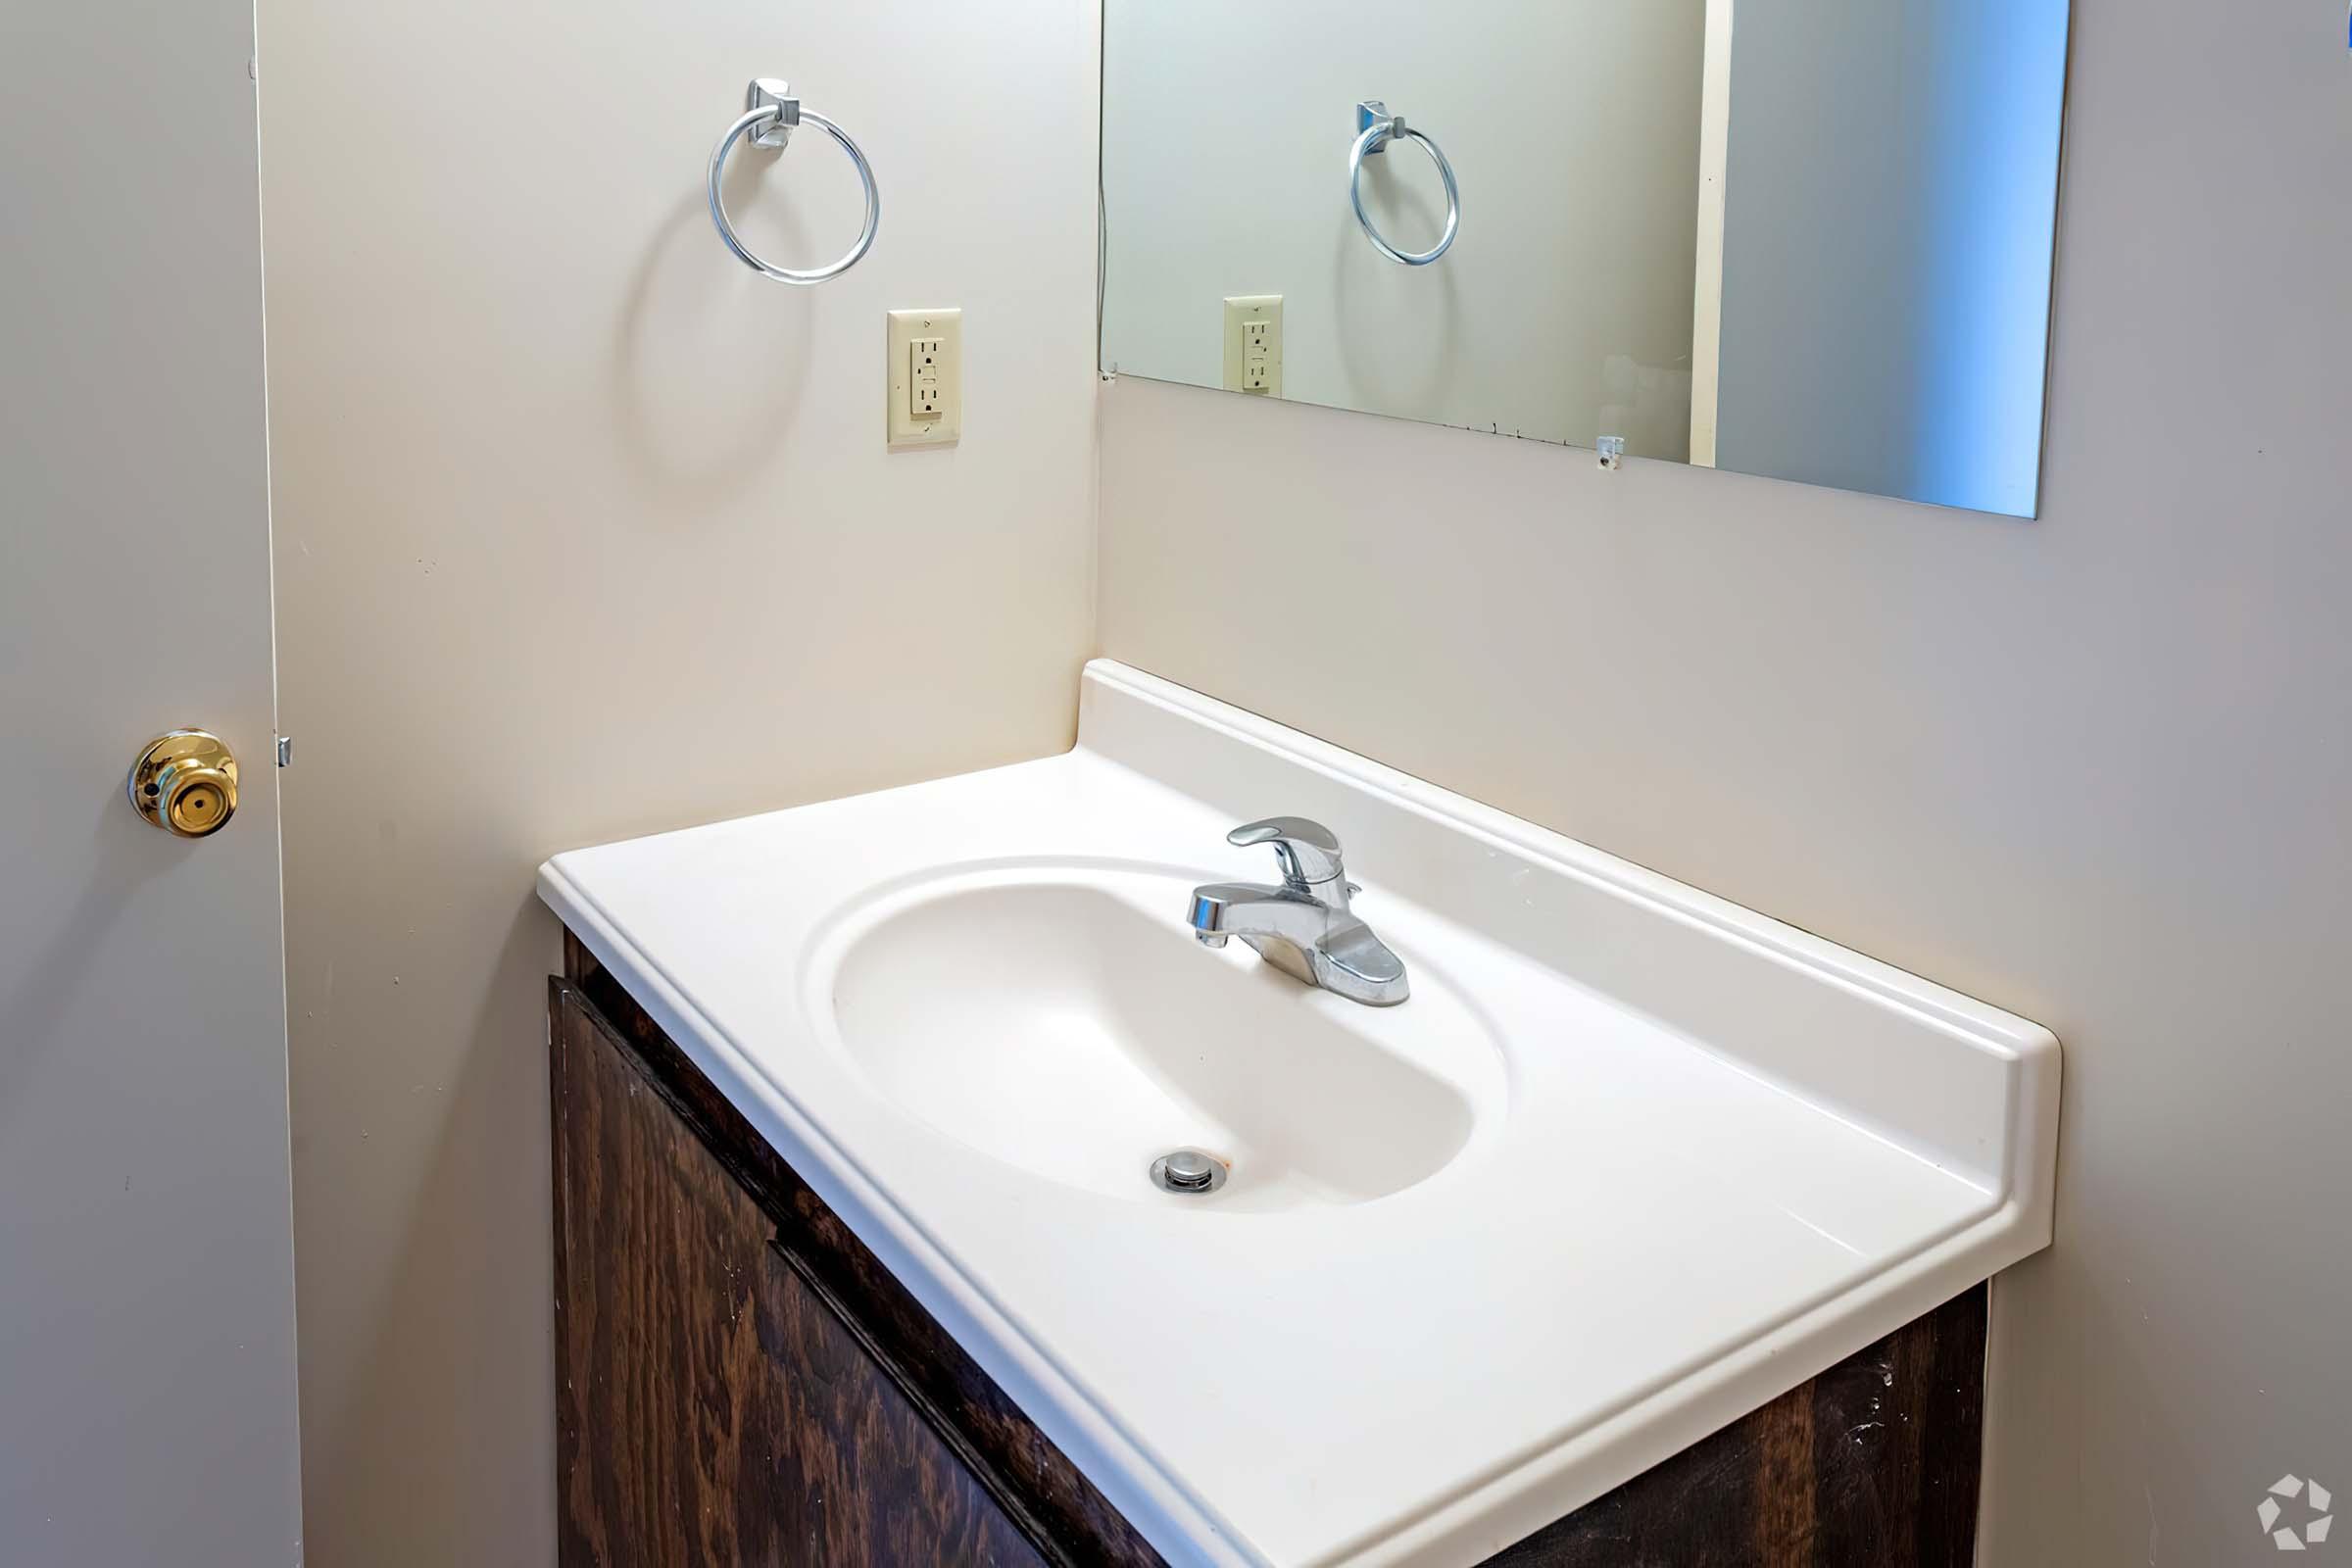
(769, 115)
(1376, 127)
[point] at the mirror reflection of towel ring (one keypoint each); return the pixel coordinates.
(1377, 128)
(770, 114)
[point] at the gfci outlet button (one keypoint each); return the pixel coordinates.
(926, 377)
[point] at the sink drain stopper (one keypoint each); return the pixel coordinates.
(1187, 1170)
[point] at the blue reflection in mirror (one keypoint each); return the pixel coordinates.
(1889, 217)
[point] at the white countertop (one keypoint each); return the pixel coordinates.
(1714, 1155)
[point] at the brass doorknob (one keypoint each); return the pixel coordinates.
(185, 783)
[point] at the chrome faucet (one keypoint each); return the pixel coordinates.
(1303, 927)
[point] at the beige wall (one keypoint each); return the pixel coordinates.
(2098, 770)
(583, 530)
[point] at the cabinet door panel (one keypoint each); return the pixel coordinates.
(712, 1409)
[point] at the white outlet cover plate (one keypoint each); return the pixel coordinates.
(905, 429)
(1241, 310)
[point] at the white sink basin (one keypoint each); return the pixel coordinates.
(1629, 1161)
(1061, 1019)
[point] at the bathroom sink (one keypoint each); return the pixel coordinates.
(1057, 1018)
(1627, 1161)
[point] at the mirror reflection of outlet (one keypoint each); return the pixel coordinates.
(1258, 347)
(1254, 344)
(926, 377)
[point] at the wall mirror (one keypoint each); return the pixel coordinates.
(1803, 238)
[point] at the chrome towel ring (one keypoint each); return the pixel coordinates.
(769, 112)
(1377, 128)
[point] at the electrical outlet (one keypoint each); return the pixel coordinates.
(1258, 346)
(923, 370)
(1254, 344)
(926, 377)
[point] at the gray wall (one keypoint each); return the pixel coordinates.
(1886, 238)
(147, 1366)
(2098, 770)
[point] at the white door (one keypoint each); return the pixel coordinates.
(146, 1252)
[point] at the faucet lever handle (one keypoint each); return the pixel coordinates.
(1309, 852)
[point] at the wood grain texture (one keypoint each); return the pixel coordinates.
(1873, 1464)
(711, 1407)
(1033, 1481)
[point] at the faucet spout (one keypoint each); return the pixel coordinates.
(1244, 908)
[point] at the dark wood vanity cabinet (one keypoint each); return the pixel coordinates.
(715, 1407)
(740, 1382)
